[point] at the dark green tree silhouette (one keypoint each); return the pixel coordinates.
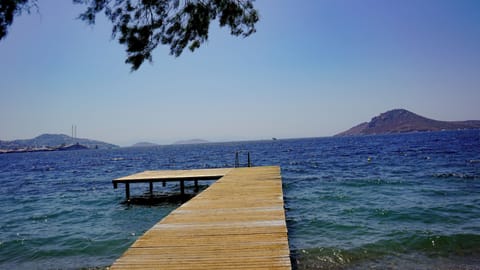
(141, 25)
(11, 8)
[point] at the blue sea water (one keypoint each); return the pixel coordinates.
(409, 201)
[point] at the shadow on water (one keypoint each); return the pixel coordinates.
(158, 199)
(171, 196)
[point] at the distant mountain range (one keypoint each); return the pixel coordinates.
(144, 144)
(149, 144)
(400, 120)
(193, 141)
(54, 141)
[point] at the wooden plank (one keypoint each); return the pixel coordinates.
(236, 223)
(173, 175)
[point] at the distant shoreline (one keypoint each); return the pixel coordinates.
(45, 149)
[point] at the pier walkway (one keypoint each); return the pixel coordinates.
(236, 223)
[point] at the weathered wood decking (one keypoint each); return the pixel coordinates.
(237, 223)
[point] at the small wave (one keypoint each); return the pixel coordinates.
(42, 168)
(372, 182)
(295, 170)
(50, 215)
(461, 246)
(435, 245)
(456, 175)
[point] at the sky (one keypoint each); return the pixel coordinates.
(312, 69)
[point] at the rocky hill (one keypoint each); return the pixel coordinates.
(144, 144)
(400, 120)
(53, 140)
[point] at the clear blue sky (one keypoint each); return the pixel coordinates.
(314, 68)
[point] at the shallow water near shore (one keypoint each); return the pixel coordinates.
(409, 201)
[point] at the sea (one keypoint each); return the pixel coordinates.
(404, 201)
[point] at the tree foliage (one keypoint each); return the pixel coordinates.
(11, 8)
(142, 25)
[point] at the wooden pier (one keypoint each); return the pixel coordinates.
(237, 223)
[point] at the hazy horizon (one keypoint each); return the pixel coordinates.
(161, 142)
(182, 141)
(313, 69)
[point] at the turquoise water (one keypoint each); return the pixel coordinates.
(408, 201)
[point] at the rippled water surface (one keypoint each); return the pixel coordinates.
(407, 201)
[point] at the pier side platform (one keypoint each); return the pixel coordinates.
(170, 176)
(236, 223)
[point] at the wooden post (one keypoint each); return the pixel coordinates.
(127, 191)
(164, 183)
(182, 187)
(196, 185)
(237, 164)
(249, 163)
(151, 189)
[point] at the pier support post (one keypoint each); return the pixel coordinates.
(182, 187)
(196, 185)
(237, 163)
(127, 191)
(164, 183)
(151, 189)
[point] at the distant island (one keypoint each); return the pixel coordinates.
(52, 142)
(400, 121)
(144, 144)
(193, 141)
